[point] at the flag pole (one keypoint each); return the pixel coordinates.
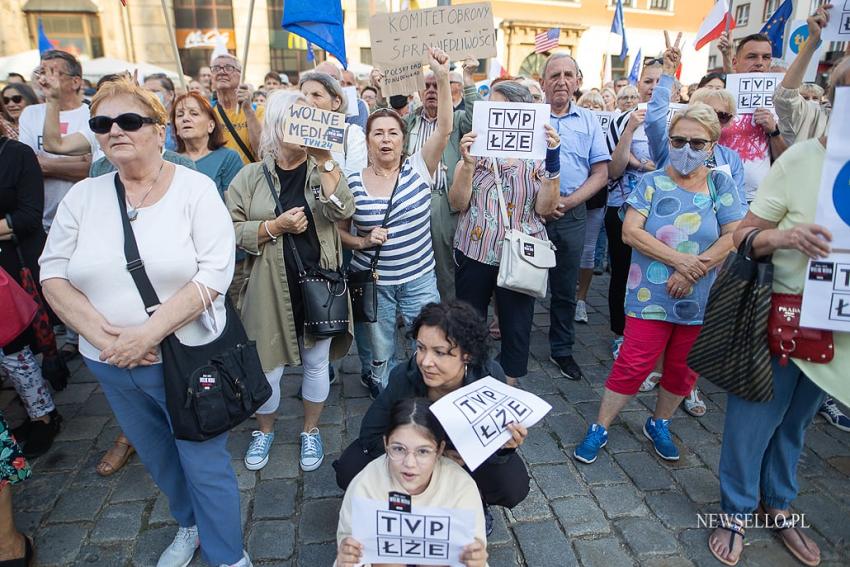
(728, 18)
(174, 51)
(247, 41)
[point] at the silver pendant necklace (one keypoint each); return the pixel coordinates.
(133, 211)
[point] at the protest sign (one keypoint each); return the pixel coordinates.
(605, 117)
(476, 417)
(672, 109)
(753, 90)
(315, 128)
(395, 534)
(826, 294)
(796, 39)
(351, 107)
(403, 80)
(509, 130)
(838, 27)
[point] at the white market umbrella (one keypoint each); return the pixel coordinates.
(97, 68)
(23, 63)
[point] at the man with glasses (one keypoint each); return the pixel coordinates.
(584, 172)
(242, 123)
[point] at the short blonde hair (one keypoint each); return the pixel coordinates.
(591, 99)
(123, 86)
(706, 94)
(704, 115)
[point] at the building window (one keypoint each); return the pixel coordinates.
(366, 55)
(770, 7)
(742, 14)
(200, 25)
(75, 32)
(620, 67)
(659, 5)
(203, 14)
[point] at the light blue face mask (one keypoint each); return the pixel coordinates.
(686, 159)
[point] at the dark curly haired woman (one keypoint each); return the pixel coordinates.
(451, 352)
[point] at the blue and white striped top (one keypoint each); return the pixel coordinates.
(408, 252)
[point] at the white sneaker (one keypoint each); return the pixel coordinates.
(244, 562)
(581, 312)
(181, 550)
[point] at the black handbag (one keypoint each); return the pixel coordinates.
(732, 349)
(325, 292)
(363, 284)
(211, 388)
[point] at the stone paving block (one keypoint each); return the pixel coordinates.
(82, 428)
(91, 554)
(558, 403)
(161, 513)
(699, 484)
(619, 500)
(588, 410)
(621, 439)
(675, 509)
(135, 484)
(713, 419)
(558, 481)
(87, 476)
(321, 483)
(78, 505)
(244, 478)
(331, 415)
(60, 544)
(503, 555)
(27, 522)
(692, 433)
(118, 522)
(283, 462)
(275, 499)
(316, 554)
(825, 446)
(605, 552)
(826, 516)
(332, 439)
(63, 456)
(580, 516)
(647, 537)
(576, 391)
(318, 522)
(534, 507)
(358, 406)
(671, 561)
(710, 456)
(238, 441)
(96, 405)
(501, 535)
(539, 448)
(538, 383)
(645, 471)
(603, 471)
(74, 393)
(39, 492)
(107, 436)
(544, 545)
(570, 429)
(271, 540)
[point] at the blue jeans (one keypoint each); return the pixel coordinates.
(762, 443)
(409, 298)
(361, 332)
(196, 477)
(567, 234)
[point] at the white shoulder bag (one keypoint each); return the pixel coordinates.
(524, 266)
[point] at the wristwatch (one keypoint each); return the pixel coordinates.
(775, 133)
(329, 166)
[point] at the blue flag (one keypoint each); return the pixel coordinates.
(634, 74)
(618, 27)
(310, 55)
(319, 22)
(44, 43)
(774, 27)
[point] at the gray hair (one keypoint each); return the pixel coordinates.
(513, 91)
(278, 104)
(330, 84)
(555, 56)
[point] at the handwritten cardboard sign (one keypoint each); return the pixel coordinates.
(509, 130)
(422, 535)
(753, 90)
(476, 417)
(315, 128)
(403, 80)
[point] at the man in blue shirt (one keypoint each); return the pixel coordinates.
(584, 172)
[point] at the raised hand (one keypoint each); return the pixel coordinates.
(817, 22)
(673, 54)
(466, 144)
(438, 60)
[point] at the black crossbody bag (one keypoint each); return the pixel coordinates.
(363, 284)
(211, 388)
(325, 292)
(229, 125)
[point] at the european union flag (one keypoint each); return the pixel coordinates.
(319, 22)
(618, 26)
(634, 75)
(44, 43)
(774, 27)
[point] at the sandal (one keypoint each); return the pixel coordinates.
(116, 457)
(651, 382)
(26, 560)
(784, 527)
(694, 404)
(734, 529)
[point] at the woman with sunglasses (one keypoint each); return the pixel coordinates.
(186, 243)
(414, 463)
(15, 97)
(679, 222)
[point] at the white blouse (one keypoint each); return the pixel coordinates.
(186, 235)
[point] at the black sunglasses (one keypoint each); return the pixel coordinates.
(14, 98)
(695, 143)
(129, 122)
(724, 117)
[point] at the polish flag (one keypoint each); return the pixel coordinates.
(714, 24)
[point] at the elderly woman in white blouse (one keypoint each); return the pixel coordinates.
(185, 237)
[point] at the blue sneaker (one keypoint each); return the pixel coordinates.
(257, 455)
(312, 451)
(658, 431)
(615, 346)
(596, 438)
(832, 414)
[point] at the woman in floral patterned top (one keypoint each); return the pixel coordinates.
(15, 548)
(530, 190)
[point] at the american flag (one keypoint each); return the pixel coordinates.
(546, 41)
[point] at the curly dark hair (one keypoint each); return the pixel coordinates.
(464, 327)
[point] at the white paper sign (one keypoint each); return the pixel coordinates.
(424, 536)
(838, 28)
(672, 109)
(753, 90)
(826, 294)
(605, 117)
(476, 416)
(509, 130)
(799, 34)
(351, 108)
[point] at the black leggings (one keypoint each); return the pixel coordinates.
(621, 259)
(501, 483)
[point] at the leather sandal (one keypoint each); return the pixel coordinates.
(784, 527)
(26, 560)
(110, 463)
(734, 529)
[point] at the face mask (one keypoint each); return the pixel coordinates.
(685, 159)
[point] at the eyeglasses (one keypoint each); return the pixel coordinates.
(653, 61)
(42, 71)
(17, 99)
(724, 117)
(228, 68)
(423, 455)
(679, 142)
(129, 122)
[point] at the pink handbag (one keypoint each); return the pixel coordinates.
(17, 309)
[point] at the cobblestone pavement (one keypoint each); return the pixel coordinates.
(629, 508)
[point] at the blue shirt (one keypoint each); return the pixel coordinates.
(582, 145)
(361, 116)
(221, 166)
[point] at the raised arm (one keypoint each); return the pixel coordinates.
(622, 151)
(74, 144)
(460, 193)
(433, 148)
(470, 95)
(793, 78)
(659, 104)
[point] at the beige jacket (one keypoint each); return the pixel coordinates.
(798, 118)
(264, 300)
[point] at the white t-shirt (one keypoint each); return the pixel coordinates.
(186, 235)
(353, 160)
(31, 125)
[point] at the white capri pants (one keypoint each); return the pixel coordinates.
(592, 226)
(315, 383)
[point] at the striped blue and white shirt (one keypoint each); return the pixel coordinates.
(408, 252)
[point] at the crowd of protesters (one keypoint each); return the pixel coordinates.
(225, 211)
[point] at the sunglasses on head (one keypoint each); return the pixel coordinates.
(679, 142)
(17, 99)
(724, 117)
(129, 122)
